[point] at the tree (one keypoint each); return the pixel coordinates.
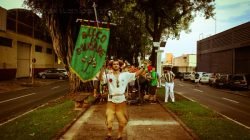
(60, 18)
(132, 36)
(170, 17)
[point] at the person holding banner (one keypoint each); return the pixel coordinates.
(116, 105)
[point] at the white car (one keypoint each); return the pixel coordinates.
(186, 75)
(205, 78)
(195, 78)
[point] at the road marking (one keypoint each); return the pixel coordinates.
(180, 93)
(151, 122)
(234, 121)
(16, 98)
(230, 100)
(12, 119)
(198, 90)
(55, 87)
(217, 112)
(21, 115)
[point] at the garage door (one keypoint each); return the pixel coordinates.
(23, 59)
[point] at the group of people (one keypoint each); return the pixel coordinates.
(117, 75)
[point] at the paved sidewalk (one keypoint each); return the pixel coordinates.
(147, 122)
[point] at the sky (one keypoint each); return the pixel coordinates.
(229, 13)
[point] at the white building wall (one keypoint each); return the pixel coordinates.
(185, 63)
(192, 60)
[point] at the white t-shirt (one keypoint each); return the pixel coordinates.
(124, 78)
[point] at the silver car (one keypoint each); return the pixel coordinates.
(53, 73)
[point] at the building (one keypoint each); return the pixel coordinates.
(22, 39)
(168, 59)
(227, 52)
(185, 63)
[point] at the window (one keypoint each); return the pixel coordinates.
(11, 25)
(49, 51)
(24, 29)
(5, 42)
(38, 48)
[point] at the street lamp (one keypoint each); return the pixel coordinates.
(200, 35)
(215, 25)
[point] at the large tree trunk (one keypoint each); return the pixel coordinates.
(155, 33)
(63, 46)
(153, 57)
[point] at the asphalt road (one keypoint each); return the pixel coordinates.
(18, 102)
(232, 104)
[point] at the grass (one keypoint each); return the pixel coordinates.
(41, 124)
(205, 123)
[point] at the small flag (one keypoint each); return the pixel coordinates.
(90, 51)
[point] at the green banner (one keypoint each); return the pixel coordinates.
(90, 51)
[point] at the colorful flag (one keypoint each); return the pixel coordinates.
(90, 51)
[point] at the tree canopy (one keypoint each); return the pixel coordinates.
(139, 22)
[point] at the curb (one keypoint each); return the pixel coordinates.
(183, 125)
(224, 116)
(68, 126)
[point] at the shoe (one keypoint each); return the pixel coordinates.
(153, 102)
(120, 138)
(108, 137)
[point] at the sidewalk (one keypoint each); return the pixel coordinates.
(147, 122)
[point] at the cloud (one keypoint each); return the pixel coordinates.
(226, 10)
(230, 13)
(229, 2)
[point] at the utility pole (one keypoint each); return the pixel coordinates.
(215, 25)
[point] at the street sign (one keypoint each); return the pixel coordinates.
(156, 44)
(33, 60)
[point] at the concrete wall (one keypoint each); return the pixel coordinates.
(226, 52)
(3, 17)
(16, 58)
(11, 56)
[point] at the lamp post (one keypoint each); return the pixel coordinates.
(200, 36)
(215, 25)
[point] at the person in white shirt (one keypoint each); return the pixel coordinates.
(168, 77)
(116, 105)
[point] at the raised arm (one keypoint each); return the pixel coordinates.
(139, 72)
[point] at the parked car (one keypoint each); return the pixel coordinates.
(238, 81)
(53, 73)
(212, 79)
(195, 76)
(205, 78)
(179, 75)
(223, 80)
(186, 75)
